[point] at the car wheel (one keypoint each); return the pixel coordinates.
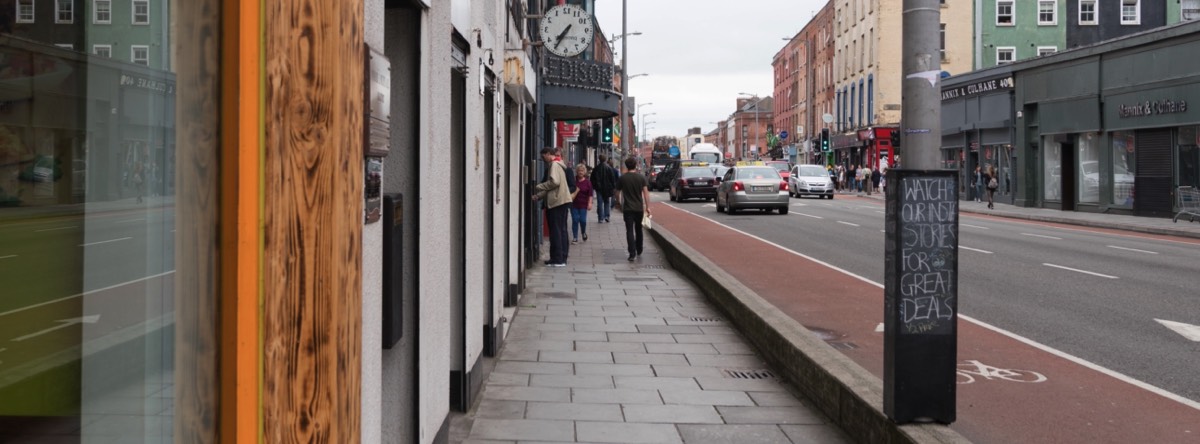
(730, 211)
(720, 209)
(783, 210)
(830, 197)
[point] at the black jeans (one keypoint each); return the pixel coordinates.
(633, 231)
(557, 221)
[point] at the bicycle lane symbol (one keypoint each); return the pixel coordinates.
(972, 369)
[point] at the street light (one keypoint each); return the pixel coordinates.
(643, 117)
(638, 112)
(756, 101)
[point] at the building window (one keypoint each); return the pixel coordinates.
(141, 12)
(1189, 10)
(1005, 54)
(862, 97)
(870, 99)
(102, 50)
(942, 41)
(24, 11)
(1046, 50)
(1004, 13)
(64, 11)
(102, 12)
(140, 54)
(1087, 12)
(1131, 12)
(850, 108)
(1047, 12)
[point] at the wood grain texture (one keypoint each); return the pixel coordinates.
(313, 182)
(197, 392)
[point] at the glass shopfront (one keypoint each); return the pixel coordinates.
(1188, 156)
(1124, 159)
(100, 156)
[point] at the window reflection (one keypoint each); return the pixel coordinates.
(89, 143)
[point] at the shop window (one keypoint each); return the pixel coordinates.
(102, 12)
(1087, 180)
(1189, 156)
(1131, 12)
(1087, 12)
(1124, 159)
(1005, 13)
(1047, 12)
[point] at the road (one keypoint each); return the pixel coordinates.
(1080, 298)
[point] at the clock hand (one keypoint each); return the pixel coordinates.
(558, 41)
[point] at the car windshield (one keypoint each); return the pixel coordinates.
(719, 171)
(779, 166)
(812, 170)
(706, 157)
(690, 172)
(757, 173)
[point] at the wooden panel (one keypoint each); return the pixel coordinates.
(313, 181)
(196, 250)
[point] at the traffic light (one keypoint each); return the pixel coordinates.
(606, 136)
(896, 137)
(825, 140)
(594, 136)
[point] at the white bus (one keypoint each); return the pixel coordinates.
(706, 152)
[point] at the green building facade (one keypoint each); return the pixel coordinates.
(1014, 30)
(128, 30)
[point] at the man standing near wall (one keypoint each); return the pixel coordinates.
(633, 198)
(604, 179)
(558, 198)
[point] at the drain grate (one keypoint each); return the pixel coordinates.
(704, 319)
(843, 345)
(748, 374)
(654, 267)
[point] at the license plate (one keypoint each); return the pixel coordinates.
(760, 188)
(700, 184)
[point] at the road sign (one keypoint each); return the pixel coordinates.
(783, 134)
(674, 150)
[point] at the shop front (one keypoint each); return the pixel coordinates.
(977, 116)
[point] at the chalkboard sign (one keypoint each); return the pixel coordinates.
(921, 260)
(921, 296)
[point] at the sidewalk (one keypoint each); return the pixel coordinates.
(609, 351)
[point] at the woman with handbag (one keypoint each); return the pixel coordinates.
(989, 178)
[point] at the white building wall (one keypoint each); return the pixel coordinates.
(372, 286)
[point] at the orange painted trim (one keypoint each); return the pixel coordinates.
(240, 410)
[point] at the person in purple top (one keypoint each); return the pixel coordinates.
(581, 204)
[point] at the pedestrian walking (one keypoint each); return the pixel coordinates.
(977, 184)
(992, 184)
(581, 204)
(876, 176)
(841, 178)
(604, 181)
(633, 198)
(557, 196)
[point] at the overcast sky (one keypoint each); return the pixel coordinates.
(700, 54)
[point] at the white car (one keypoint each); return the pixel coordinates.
(810, 180)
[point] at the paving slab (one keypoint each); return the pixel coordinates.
(530, 429)
(672, 414)
(725, 434)
(574, 411)
(608, 432)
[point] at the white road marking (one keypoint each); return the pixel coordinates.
(64, 323)
(105, 242)
(1133, 249)
(975, 250)
(879, 328)
(974, 226)
(806, 215)
(131, 220)
(1081, 271)
(1131, 235)
(848, 223)
(799, 205)
(1191, 332)
(712, 205)
(54, 229)
(881, 212)
(9, 256)
(1046, 348)
(1041, 236)
(110, 287)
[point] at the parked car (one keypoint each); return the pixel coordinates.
(810, 180)
(652, 178)
(694, 182)
(752, 185)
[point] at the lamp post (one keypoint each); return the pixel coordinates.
(624, 75)
(643, 117)
(756, 101)
(639, 113)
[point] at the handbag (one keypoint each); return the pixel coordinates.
(992, 184)
(646, 221)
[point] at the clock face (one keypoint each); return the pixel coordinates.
(567, 30)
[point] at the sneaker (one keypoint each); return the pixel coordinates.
(585, 237)
(574, 241)
(631, 257)
(558, 265)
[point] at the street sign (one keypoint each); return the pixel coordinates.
(674, 150)
(783, 134)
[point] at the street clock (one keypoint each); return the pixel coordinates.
(567, 30)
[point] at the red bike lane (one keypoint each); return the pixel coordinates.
(1000, 398)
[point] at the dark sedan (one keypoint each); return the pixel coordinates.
(694, 183)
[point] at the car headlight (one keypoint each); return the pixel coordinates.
(803, 183)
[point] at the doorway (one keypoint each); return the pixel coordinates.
(460, 394)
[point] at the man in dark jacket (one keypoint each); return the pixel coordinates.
(604, 181)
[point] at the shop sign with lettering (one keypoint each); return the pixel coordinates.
(579, 73)
(980, 87)
(140, 82)
(1150, 108)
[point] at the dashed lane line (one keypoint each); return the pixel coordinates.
(1133, 249)
(1043, 347)
(1080, 271)
(974, 226)
(806, 215)
(105, 242)
(8, 257)
(848, 223)
(1041, 236)
(975, 250)
(98, 290)
(55, 229)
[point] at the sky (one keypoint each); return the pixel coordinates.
(700, 54)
